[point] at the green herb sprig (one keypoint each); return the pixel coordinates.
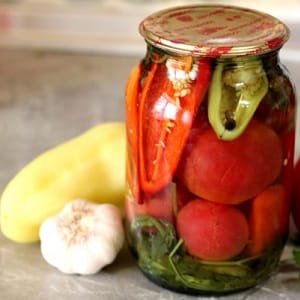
(295, 242)
(296, 256)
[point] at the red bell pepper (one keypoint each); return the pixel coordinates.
(170, 97)
(132, 91)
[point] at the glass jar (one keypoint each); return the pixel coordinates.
(210, 115)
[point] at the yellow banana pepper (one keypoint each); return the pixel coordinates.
(90, 166)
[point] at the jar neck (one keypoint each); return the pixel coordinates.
(270, 58)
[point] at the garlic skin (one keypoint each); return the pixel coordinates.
(83, 238)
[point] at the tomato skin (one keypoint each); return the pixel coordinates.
(246, 165)
(212, 231)
(268, 219)
(296, 196)
(158, 205)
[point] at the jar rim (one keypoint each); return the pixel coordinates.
(214, 31)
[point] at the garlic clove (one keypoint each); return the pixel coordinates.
(54, 249)
(103, 254)
(114, 240)
(82, 260)
(108, 219)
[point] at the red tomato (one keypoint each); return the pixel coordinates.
(296, 196)
(158, 205)
(212, 231)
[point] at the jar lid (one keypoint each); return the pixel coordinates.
(214, 31)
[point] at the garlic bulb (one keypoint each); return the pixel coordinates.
(83, 238)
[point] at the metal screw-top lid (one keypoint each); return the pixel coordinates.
(214, 31)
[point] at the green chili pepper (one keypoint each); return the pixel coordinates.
(234, 95)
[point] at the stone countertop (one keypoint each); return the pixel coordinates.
(45, 99)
